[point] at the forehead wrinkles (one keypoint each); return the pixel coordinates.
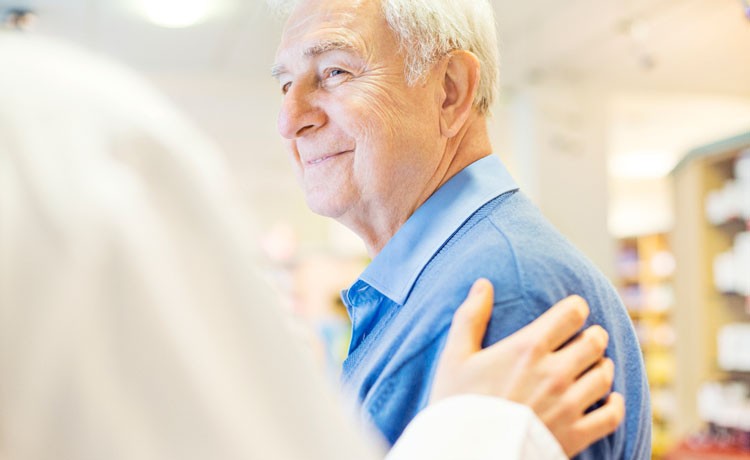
(327, 24)
(323, 41)
(320, 37)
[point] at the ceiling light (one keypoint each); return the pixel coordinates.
(176, 13)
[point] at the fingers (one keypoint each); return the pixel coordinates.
(584, 392)
(582, 352)
(558, 324)
(577, 429)
(594, 384)
(470, 321)
(597, 424)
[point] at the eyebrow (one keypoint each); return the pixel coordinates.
(317, 49)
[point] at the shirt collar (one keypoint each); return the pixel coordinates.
(396, 268)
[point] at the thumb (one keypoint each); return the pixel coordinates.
(470, 321)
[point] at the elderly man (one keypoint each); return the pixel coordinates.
(385, 116)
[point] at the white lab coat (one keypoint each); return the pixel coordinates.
(132, 324)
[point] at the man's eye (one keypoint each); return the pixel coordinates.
(336, 73)
(285, 87)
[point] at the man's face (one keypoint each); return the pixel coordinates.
(362, 141)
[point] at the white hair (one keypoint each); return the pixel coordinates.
(429, 29)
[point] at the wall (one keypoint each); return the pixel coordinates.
(558, 145)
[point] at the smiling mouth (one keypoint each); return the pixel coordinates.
(320, 160)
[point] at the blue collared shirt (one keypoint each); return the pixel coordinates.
(478, 224)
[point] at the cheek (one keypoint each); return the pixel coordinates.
(403, 116)
(390, 125)
(379, 108)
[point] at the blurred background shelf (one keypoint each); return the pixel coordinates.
(701, 309)
(645, 269)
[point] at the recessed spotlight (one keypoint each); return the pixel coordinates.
(177, 13)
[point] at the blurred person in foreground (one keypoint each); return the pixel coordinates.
(133, 325)
(384, 113)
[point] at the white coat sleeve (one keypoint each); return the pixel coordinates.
(476, 427)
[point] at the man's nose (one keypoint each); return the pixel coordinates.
(299, 113)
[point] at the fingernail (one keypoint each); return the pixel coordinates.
(478, 287)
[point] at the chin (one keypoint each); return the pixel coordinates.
(325, 205)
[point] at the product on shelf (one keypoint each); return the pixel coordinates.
(742, 173)
(663, 264)
(725, 204)
(734, 347)
(726, 409)
(732, 201)
(742, 166)
(732, 268)
(742, 260)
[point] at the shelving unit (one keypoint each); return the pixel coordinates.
(700, 308)
(645, 269)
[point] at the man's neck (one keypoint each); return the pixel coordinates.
(469, 145)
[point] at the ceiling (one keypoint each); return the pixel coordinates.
(689, 45)
(695, 45)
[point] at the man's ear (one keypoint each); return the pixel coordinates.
(460, 83)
